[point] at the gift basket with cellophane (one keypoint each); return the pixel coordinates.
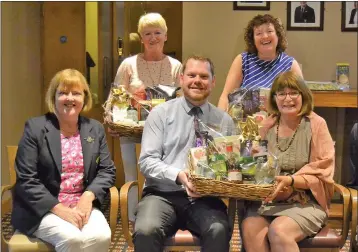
(244, 102)
(125, 112)
(232, 164)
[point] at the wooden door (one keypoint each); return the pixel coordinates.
(64, 46)
(63, 39)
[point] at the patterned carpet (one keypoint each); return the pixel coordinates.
(119, 243)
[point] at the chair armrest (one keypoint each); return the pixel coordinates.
(4, 242)
(113, 210)
(354, 212)
(5, 188)
(123, 194)
(344, 192)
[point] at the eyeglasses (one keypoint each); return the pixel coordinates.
(293, 95)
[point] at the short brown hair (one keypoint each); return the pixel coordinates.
(67, 79)
(291, 80)
(260, 20)
(199, 58)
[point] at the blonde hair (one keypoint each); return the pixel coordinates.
(66, 80)
(293, 81)
(152, 19)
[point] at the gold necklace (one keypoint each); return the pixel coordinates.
(291, 141)
(150, 75)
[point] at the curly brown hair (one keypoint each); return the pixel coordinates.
(260, 20)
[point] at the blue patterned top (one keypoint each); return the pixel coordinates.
(261, 73)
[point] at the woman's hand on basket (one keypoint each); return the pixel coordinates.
(139, 94)
(183, 178)
(113, 133)
(283, 189)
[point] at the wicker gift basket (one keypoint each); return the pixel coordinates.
(124, 129)
(212, 187)
(251, 184)
(156, 94)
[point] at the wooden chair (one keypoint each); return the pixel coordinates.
(354, 217)
(182, 240)
(328, 239)
(20, 242)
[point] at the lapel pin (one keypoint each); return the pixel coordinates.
(89, 139)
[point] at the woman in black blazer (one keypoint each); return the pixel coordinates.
(64, 171)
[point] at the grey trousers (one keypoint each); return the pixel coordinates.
(160, 215)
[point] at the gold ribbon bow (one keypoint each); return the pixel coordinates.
(249, 129)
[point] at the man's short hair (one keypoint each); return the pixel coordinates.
(199, 58)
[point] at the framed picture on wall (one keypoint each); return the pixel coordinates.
(251, 5)
(350, 16)
(305, 16)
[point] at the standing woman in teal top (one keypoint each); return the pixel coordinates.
(263, 59)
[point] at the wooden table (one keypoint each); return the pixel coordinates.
(339, 100)
(336, 99)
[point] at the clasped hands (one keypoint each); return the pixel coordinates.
(79, 215)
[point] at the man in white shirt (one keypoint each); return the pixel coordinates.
(170, 201)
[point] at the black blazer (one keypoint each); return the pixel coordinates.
(308, 15)
(38, 168)
(353, 13)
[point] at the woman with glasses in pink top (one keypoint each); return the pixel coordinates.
(301, 140)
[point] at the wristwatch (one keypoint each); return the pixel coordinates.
(293, 180)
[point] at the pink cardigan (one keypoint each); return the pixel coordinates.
(319, 172)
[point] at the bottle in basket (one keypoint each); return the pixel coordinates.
(119, 104)
(216, 163)
(132, 113)
(248, 173)
(233, 166)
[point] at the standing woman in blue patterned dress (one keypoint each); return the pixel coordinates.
(263, 59)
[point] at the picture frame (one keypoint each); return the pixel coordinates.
(251, 5)
(305, 16)
(349, 22)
